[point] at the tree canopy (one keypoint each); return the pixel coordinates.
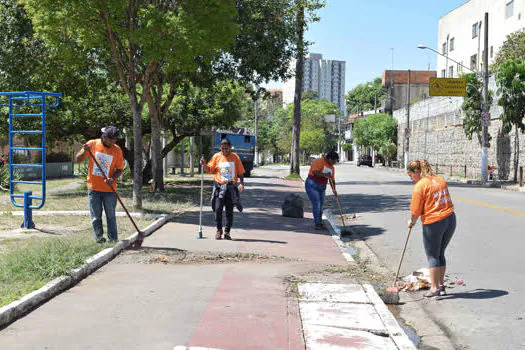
(376, 131)
(510, 79)
(363, 96)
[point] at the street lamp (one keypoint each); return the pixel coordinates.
(485, 104)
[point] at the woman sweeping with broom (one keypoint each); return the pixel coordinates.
(431, 200)
(321, 171)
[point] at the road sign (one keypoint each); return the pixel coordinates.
(448, 87)
(485, 119)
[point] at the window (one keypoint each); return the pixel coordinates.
(451, 44)
(459, 68)
(473, 61)
(491, 51)
(443, 73)
(444, 50)
(475, 30)
(509, 9)
(246, 139)
(451, 71)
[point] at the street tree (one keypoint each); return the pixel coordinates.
(364, 96)
(510, 78)
(472, 107)
(376, 131)
(137, 43)
(305, 11)
(512, 48)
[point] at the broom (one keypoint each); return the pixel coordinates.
(345, 230)
(199, 234)
(392, 293)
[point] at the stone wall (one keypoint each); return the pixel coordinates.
(437, 135)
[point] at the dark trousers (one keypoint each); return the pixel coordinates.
(220, 203)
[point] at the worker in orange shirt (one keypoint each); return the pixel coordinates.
(228, 182)
(321, 171)
(431, 201)
(111, 159)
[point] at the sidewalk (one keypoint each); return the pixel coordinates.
(269, 288)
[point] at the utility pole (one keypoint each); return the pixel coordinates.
(407, 129)
(485, 108)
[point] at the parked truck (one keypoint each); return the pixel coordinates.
(243, 143)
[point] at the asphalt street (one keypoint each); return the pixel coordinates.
(486, 252)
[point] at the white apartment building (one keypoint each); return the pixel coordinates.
(461, 33)
(326, 77)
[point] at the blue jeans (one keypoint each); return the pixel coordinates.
(316, 193)
(108, 201)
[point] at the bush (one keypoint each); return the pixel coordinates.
(4, 178)
(20, 158)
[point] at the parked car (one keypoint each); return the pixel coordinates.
(364, 160)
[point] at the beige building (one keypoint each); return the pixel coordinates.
(461, 33)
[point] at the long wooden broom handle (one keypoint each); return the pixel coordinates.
(113, 190)
(337, 201)
(402, 255)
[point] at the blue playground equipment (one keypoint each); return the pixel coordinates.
(28, 104)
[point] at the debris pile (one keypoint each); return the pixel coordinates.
(420, 279)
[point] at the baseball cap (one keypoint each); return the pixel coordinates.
(110, 131)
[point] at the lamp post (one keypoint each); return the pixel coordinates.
(485, 101)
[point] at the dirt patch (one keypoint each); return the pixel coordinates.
(175, 256)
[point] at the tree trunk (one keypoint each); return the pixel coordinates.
(156, 147)
(296, 132)
(516, 152)
(137, 154)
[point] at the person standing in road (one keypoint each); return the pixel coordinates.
(321, 171)
(431, 201)
(101, 196)
(228, 182)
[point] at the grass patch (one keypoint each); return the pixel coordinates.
(293, 176)
(30, 264)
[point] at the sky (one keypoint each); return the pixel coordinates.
(364, 32)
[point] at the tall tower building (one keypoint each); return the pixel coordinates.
(326, 77)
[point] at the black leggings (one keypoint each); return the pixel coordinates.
(436, 237)
(219, 204)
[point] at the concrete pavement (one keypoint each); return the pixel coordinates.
(268, 288)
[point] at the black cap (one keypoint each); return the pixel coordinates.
(110, 131)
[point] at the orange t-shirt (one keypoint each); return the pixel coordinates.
(320, 164)
(109, 159)
(226, 168)
(431, 200)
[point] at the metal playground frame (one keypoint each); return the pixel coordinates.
(34, 105)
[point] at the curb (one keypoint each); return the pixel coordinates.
(21, 307)
(395, 331)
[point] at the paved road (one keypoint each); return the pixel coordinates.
(486, 252)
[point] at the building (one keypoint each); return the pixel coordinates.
(396, 83)
(461, 33)
(326, 77)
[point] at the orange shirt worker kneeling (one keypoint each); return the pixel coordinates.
(431, 200)
(228, 182)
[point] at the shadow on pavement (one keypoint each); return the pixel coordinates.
(362, 203)
(476, 294)
(363, 232)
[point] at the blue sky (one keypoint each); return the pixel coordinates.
(363, 32)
